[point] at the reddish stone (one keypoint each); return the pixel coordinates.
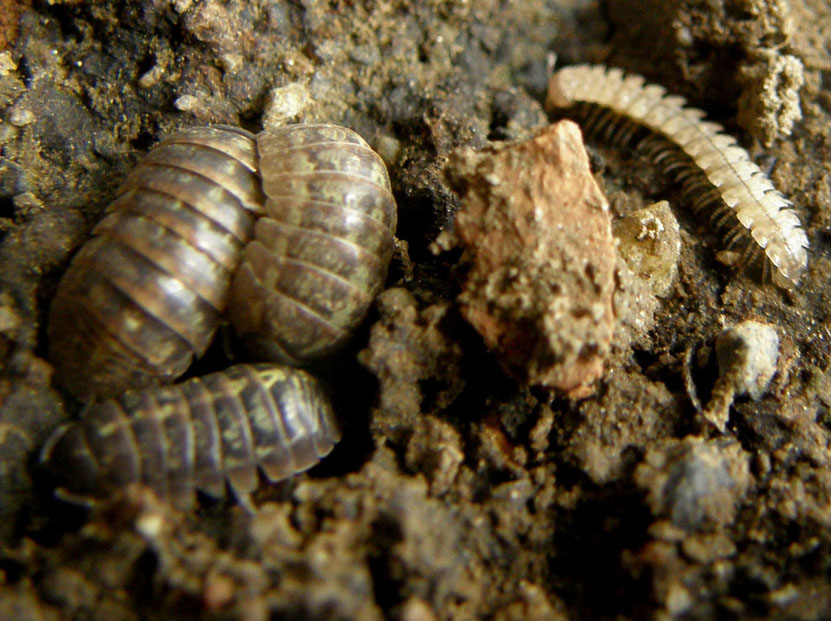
(537, 232)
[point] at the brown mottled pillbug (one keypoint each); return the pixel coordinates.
(321, 251)
(197, 435)
(145, 294)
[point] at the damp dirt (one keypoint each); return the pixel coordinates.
(459, 490)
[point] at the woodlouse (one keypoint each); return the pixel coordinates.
(321, 251)
(708, 162)
(145, 294)
(197, 435)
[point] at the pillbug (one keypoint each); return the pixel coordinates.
(145, 294)
(712, 166)
(197, 435)
(321, 250)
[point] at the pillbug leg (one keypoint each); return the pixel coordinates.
(244, 499)
(64, 494)
(67, 454)
(689, 382)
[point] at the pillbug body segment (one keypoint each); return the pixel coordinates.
(199, 434)
(321, 251)
(712, 166)
(145, 294)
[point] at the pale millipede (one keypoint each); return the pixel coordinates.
(709, 163)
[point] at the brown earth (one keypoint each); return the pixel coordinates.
(455, 493)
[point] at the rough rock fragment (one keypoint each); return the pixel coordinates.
(537, 232)
(650, 242)
(416, 609)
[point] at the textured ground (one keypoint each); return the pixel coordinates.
(456, 492)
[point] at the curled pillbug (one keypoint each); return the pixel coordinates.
(197, 435)
(321, 250)
(145, 294)
(709, 163)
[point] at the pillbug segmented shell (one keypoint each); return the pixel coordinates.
(321, 251)
(197, 435)
(145, 294)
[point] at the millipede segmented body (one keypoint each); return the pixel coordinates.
(197, 435)
(145, 294)
(321, 251)
(712, 166)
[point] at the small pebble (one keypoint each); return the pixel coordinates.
(7, 64)
(21, 117)
(747, 355)
(748, 352)
(649, 239)
(286, 104)
(185, 103)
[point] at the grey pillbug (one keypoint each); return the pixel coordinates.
(145, 294)
(197, 435)
(321, 251)
(712, 166)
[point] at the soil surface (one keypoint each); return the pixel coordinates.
(457, 491)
